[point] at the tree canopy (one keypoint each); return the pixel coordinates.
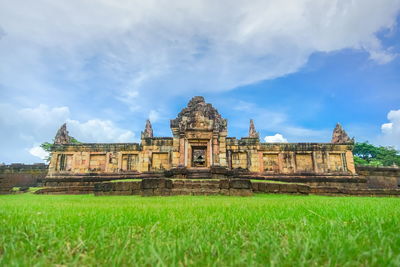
(46, 146)
(369, 155)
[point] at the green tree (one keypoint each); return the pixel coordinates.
(46, 146)
(369, 155)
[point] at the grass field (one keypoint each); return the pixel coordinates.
(217, 231)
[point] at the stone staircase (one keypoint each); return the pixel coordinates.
(199, 174)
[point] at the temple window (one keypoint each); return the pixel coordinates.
(129, 162)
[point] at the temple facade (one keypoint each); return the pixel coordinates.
(200, 141)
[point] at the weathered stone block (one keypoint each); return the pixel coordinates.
(98, 187)
(240, 184)
(261, 187)
(255, 186)
(240, 192)
(135, 185)
(224, 192)
(303, 189)
(168, 183)
(147, 192)
(136, 192)
(153, 183)
(224, 184)
(178, 185)
(107, 187)
(288, 188)
(272, 188)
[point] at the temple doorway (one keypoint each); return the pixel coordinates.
(199, 156)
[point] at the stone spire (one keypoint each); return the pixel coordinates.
(148, 130)
(199, 115)
(252, 130)
(62, 136)
(340, 136)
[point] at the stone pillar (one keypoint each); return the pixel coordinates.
(175, 151)
(315, 162)
(293, 161)
(215, 150)
(222, 149)
(86, 157)
(53, 163)
(119, 162)
(229, 159)
(210, 154)
(182, 154)
(350, 162)
(261, 162)
(328, 165)
(186, 153)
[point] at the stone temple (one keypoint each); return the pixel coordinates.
(199, 148)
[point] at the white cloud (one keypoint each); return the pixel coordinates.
(96, 130)
(178, 46)
(154, 116)
(277, 138)
(267, 120)
(23, 129)
(391, 130)
(39, 152)
(67, 51)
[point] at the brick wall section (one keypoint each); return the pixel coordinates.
(21, 175)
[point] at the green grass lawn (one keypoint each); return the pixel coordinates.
(183, 230)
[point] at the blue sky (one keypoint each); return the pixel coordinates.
(104, 67)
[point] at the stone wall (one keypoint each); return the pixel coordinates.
(21, 175)
(380, 177)
(70, 190)
(199, 140)
(280, 188)
(159, 154)
(170, 187)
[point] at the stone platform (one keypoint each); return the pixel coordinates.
(173, 187)
(213, 181)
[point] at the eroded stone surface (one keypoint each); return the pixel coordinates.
(199, 115)
(252, 130)
(199, 142)
(340, 136)
(148, 130)
(62, 136)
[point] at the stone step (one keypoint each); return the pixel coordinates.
(199, 175)
(66, 190)
(321, 190)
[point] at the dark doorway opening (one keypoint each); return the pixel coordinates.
(199, 156)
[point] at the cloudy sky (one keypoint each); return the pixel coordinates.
(294, 66)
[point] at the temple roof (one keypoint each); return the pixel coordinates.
(199, 115)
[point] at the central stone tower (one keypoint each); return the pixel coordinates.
(199, 136)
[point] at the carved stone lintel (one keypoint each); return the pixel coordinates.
(340, 136)
(62, 136)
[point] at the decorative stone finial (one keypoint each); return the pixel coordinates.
(340, 136)
(148, 130)
(252, 130)
(62, 136)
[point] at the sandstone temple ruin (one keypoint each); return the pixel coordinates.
(200, 147)
(200, 159)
